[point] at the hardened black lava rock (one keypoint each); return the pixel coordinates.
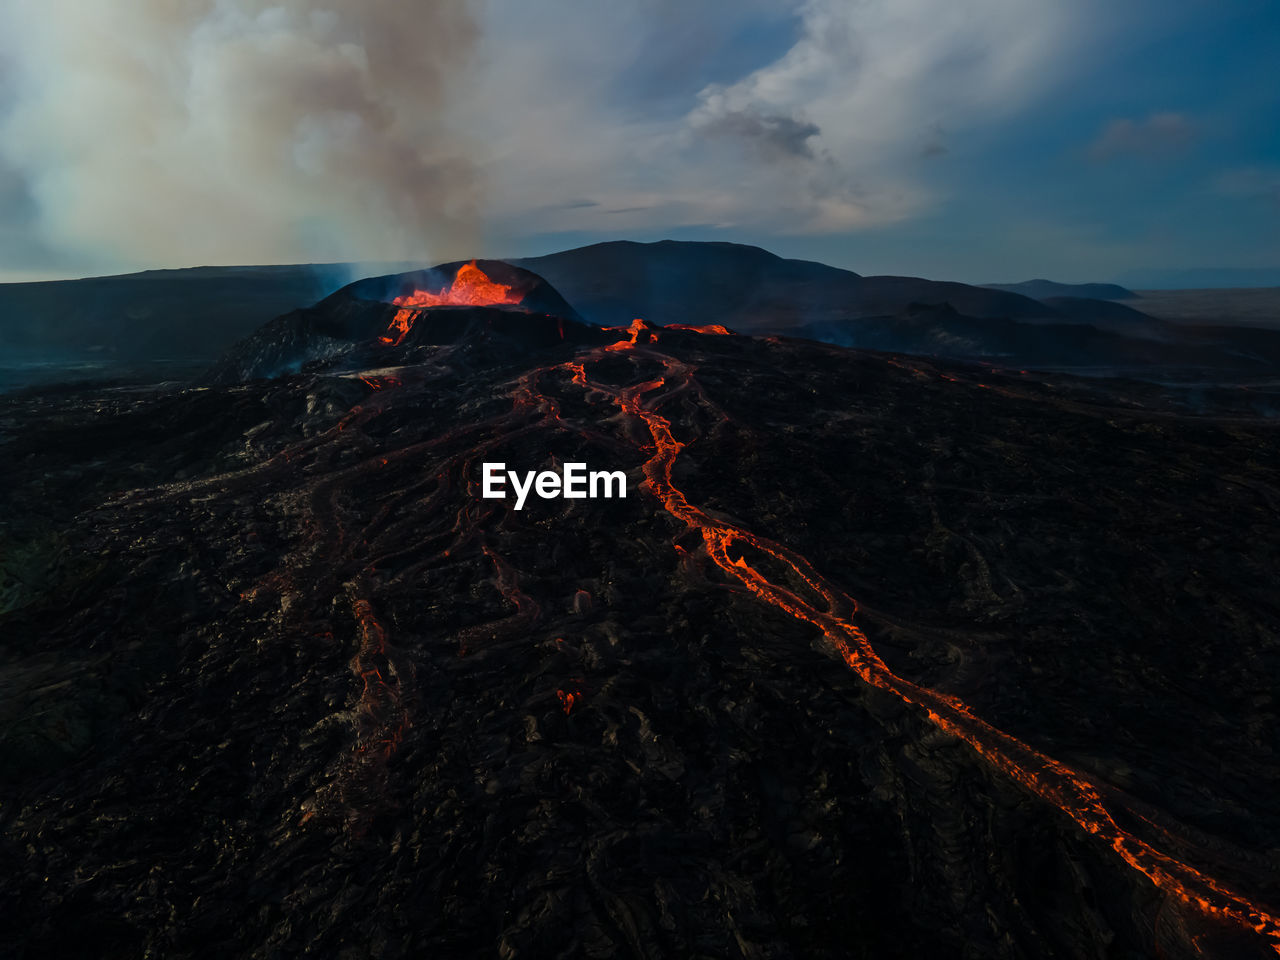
(277, 680)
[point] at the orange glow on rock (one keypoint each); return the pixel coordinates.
(637, 327)
(715, 329)
(802, 593)
(380, 700)
(831, 611)
(471, 287)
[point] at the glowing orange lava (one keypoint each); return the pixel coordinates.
(471, 287)
(803, 594)
(376, 383)
(637, 327)
(711, 328)
(831, 611)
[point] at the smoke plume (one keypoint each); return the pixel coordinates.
(168, 132)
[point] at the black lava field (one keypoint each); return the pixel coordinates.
(879, 656)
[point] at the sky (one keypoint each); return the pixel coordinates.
(984, 141)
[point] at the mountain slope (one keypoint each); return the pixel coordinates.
(1121, 347)
(1040, 289)
(158, 314)
(1115, 317)
(743, 287)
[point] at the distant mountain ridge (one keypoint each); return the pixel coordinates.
(196, 312)
(1061, 344)
(1110, 315)
(1040, 289)
(199, 314)
(675, 281)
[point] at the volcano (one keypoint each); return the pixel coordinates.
(879, 656)
(173, 324)
(375, 321)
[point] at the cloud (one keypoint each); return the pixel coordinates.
(1157, 135)
(239, 130)
(1254, 183)
(825, 134)
(22, 252)
(773, 136)
(283, 130)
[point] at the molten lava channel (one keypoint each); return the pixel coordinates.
(818, 603)
(1050, 780)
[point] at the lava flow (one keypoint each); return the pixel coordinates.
(282, 644)
(711, 329)
(471, 287)
(1067, 789)
(637, 328)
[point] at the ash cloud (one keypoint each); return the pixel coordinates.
(158, 132)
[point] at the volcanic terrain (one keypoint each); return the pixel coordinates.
(879, 656)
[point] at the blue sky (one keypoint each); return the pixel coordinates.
(991, 140)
